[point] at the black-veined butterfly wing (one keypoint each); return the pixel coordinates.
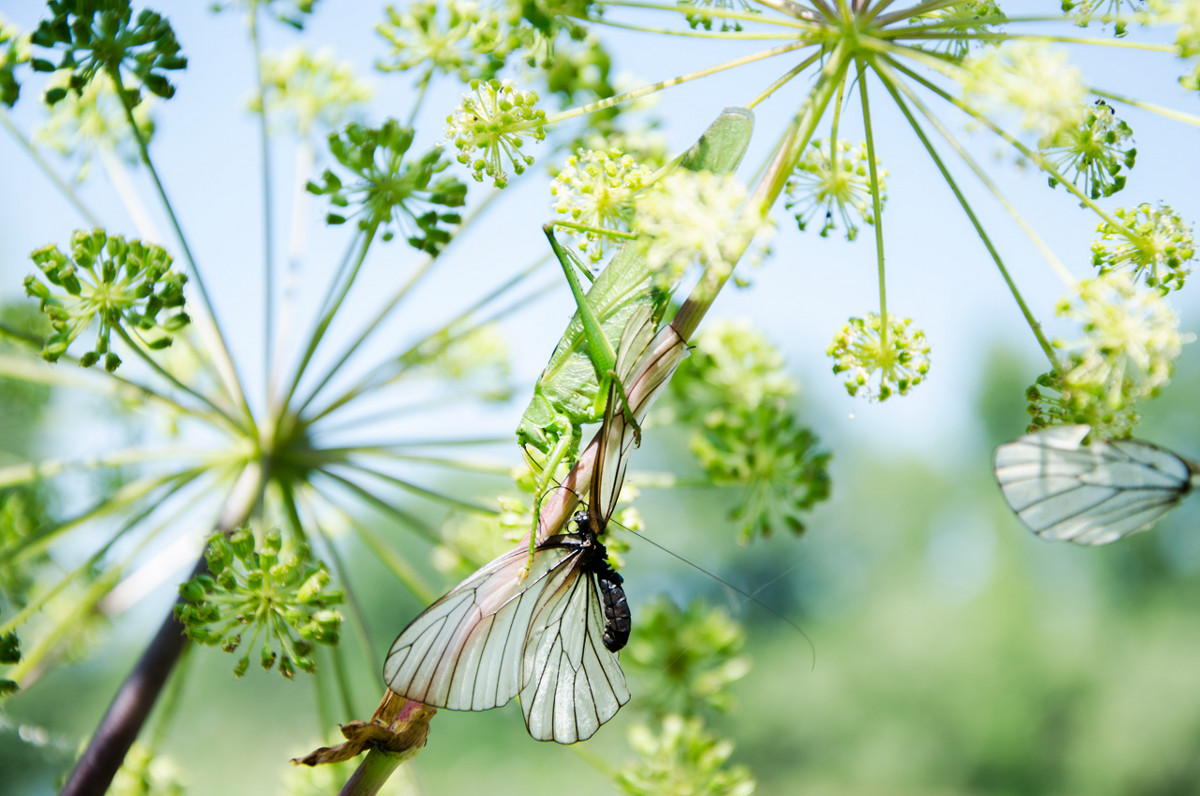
(645, 362)
(1089, 494)
(572, 682)
(465, 651)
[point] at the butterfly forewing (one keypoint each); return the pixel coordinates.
(464, 651)
(1088, 494)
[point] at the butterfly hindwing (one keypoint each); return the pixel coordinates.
(572, 683)
(1088, 494)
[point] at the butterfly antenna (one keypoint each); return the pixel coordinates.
(749, 596)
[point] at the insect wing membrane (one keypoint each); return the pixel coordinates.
(571, 683)
(465, 651)
(1088, 494)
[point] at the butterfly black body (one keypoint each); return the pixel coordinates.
(617, 619)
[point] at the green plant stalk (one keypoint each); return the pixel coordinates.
(160, 370)
(357, 618)
(221, 352)
(396, 365)
(448, 501)
(327, 314)
(62, 185)
(1034, 156)
(123, 498)
(386, 311)
(787, 154)
(1161, 110)
(28, 472)
(784, 79)
(414, 524)
(267, 200)
(399, 566)
(876, 205)
(1032, 322)
(716, 13)
(42, 599)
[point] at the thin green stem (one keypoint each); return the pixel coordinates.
(699, 34)
(160, 370)
(62, 185)
(233, 383)
(448, 501)
(417, 526)
(892, 84)
(267, 204)
(363, 240)
(788, 75)
(398, 364)
(672, 82)
(787, 154)
(35, 605)
(1161, 110)
(385, 312)
(28, 472)
(876, 205)
(789, 21)
(422, 89)
(340, 571)
(1033, 155)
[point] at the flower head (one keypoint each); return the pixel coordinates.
(1085, 11)
(100, 37)
(1131, 339)
(692, 656)
(597, 188)
(283, 597)
(1031, 80)
(899, 357)
(1092, 152)
(456, 38)
(14, 50)
(310, 90)
(392, 191)
(964, 20)
(1154, 244)
(495, 119)
(92, 122)
(115, 283)
(682, 758)
(838, 180)
(688, 214)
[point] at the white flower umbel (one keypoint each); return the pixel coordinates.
(1131, 339)
(596, 188)
(1035, 82)
(689, 214)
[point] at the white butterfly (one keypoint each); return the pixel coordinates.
(1090, 494)
(552, 635)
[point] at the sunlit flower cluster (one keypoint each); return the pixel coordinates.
(1154, 244)
(311, 90)
(1093, 152)
(834, 184)
(456, 38)
(879, 363)
(122, 286)
(391, 190)
(1036, 83)
(490, 127)
(1131, 339)
(14, 50)
(596, 188)
(691, 214)
(280, 595)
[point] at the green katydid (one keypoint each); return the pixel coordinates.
(573, 388)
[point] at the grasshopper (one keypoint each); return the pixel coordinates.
(573, 389)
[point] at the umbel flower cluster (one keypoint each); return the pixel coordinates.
(300, 435)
